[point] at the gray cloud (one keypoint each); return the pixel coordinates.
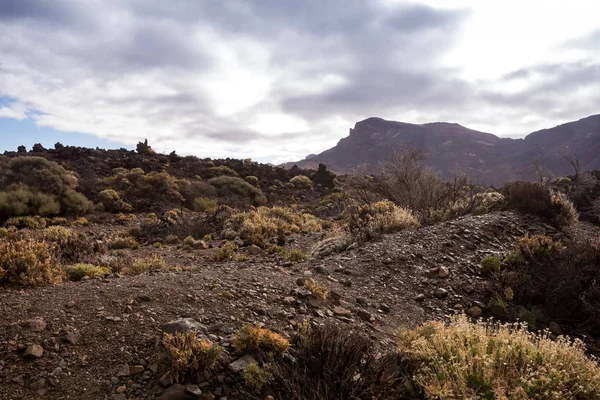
(197, 75)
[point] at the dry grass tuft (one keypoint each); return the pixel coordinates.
(257, 338)
(320, 292)
(29, 262)
(185, 355)
(76, 272)
(154, 263)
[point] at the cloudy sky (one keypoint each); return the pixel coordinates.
(275, 80)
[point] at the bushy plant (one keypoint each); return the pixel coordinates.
(226, 252)
(257, 338)
(154, 263)
(493, 360)
(71, 246)
(295, 255)
(123, 241)
(319, 291)
(256, 377)
(185, 355)
(331, 363)
(28, 262)
(26, 222)
(237, 188)
(77, 272)
(36, 186)
(111, 200)
(369, 220)
(204, 204)
(490, 264)
(301, 182)
(222, 170)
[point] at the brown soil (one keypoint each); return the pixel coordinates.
(393, 279)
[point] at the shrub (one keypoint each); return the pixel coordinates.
(28, 262)
(537, 246)
(26, 222)
(189, 241)
(125, 219)
(57, 221)
(256, 377)
(367, 221)
(226, 252)
(335, 243)
(230, 186)
(295, 255)
(204, 204)
(111, 200)
(331, 363)
(538, 199)
(492, 360)
(154, 263)
(256, 338)
(254, 227)
(185, 355)
(35, 185)
(82, 221)
(123, 241)
(222, 170)
(320, 292)
(253, 180)
(490, 264)
(71, 246)
(301, 182)
(76, 272)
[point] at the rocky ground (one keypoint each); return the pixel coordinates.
(97, 339)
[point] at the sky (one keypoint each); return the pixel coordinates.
(276, 80)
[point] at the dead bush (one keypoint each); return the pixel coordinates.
(185, 356)
(28, 262)
(331, 363)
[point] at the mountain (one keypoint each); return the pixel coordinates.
(451, 147)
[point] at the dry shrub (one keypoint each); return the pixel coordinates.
(185, 356)
(319, 291)
(111, 200)
(295, 255)
(77, 272)
(72, 246)
(34, 222)
(254, 227)
(538, 199)
(331, 363)
(367, 221)
(493, 360)
(154, 263)
(257, 338)
(226, 252)
(537, 246)
(204, 204)
(28, 262)
(337, 241)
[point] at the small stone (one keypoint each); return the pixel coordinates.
(420, 297)
(322, 270)
(121, 389)
(385, 308)
(440, 293)
(363, 302)
(365, 315)
(289, 300)
(137, 369)
(254, 250)
(241, 363)
(443, 272)
(342, 312)
(34, 325)
(71, 337)
(177, 392)
(335, 295)
(34, 351)
(193, 389)
(474, 312)
(300, 281)
(165, 379)
(555, 328)
(182, 325)
(123, 370)
(314, 302)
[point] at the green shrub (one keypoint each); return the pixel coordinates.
(295, 255)
(222, 170)
(491, 360)
(301, 182)
(490, 264)
(226, 252)
(111, 200)
(26, 222)
(76, 272)
(256, 377)
(123, 241)
(253, 180)
(37, 186)
(230, 186)
(319, 291)
(204, 204)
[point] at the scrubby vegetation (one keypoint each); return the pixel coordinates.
(185, 355)
(495, 361)
(77, 272)
(28, 262)
(257, 338)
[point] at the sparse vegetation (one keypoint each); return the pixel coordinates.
(28, 262)
(204, 204)
(77, 272)
(490, 264)
(123, 241)
(319, 291)
(301, 182)
(145, 265)
(257, 338)
(238, 191)
(492, 360)
(184, 355)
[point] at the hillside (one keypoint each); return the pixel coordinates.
(449, 147)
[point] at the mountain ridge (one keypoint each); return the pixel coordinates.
(451, 147)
